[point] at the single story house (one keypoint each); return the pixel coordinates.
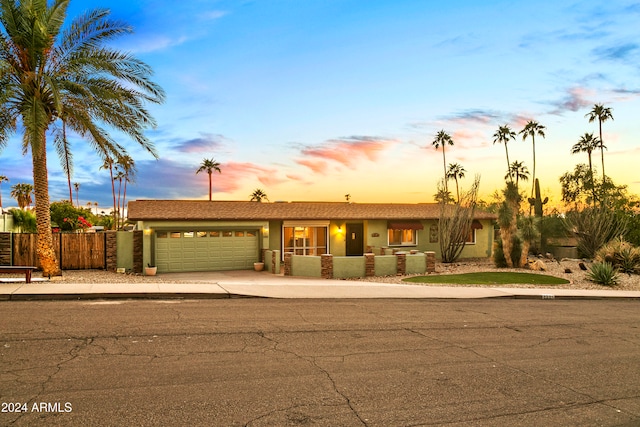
(194, 235)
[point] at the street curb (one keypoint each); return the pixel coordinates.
(123, 296)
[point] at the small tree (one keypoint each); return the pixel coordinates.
(455, 222)
(258, 195)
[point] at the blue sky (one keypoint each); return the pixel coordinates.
(313, 100)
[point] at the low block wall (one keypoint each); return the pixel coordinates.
(386, 265)
(416, 264)
(306, 266)
(330, 267)
(345, 267)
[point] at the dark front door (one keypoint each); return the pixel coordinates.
(355, 240)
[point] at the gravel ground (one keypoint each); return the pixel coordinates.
(577, 277)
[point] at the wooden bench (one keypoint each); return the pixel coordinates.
(17, 269)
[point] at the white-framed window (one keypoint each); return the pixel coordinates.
(305, 239)
(402, 237)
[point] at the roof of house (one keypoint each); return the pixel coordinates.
(185, 210)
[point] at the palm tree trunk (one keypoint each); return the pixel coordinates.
(533, 186)
(210, 172)
(593, 187)
(113, 192)
(506, 150)
(119, 193)
(124, 195)
(44, 249)
(444, 165)
(457, 190)
(602, 151)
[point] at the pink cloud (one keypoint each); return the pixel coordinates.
(234, 173)
(576, 99)
(347, 152)
(315, 165)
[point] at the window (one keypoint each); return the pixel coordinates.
(305, 240)
(161, 234)
(214, 234)
(175, 234)
(227, 234)
(471, 238)
(239, 233)
(403, 238)
(201, 234)
(188, 234)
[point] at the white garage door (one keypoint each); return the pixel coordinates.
(208, 250)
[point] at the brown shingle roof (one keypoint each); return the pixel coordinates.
(140, 210)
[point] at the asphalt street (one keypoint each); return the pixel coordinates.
(268, 362)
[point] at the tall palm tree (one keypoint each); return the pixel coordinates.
(3, 178)
(76, 186)
(109, 164)
(587, 144)
(22, 193)
(52, 71)
(602, 114)
(519, 171)
(441, 140)
(209, 165)
(258, 195)
(502, 136)
(456, 171)
(533, 128)
(127, 167)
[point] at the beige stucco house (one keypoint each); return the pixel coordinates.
(190, 235)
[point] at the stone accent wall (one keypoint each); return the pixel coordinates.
(288, 256)
(402, 263)
(430, 258)
(326, 266)
(5, 249)
(111, 250)
(369, 265)
(137, 251)
(263, 256)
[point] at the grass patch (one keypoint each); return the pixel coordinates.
(489, 278)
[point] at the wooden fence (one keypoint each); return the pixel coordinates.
(75, 251)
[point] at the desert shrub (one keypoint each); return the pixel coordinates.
(621, 254)
(498, 253)
(593, 227)
(603, 273)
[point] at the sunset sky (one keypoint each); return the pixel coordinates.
(311, 100)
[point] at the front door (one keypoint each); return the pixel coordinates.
(355, 240)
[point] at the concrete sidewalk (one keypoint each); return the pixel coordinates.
(238, 284)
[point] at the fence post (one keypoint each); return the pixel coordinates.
(275, 262)
(288, 256)
(326, 266)
(369, 265)
(401, 258)
(430, 258)
(137, 251)
(5, 249)
(111, 250)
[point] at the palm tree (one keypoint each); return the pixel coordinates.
(109, 164)
(258, 195)
(587, 144)
(22, 193)
(533, 128)
(209, 165)
(456, 171)
(502, 136)
(442, 139)
(3, 178)
(603, 114)
(55, 71)
(128, 170)
(76, 186)
(519, 170)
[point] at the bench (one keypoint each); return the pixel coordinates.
(17, 269)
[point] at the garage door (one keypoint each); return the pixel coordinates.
(208, 250)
